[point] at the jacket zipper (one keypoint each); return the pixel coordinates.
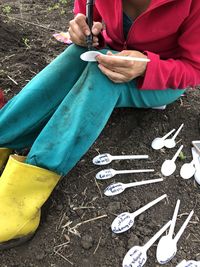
(125, 43)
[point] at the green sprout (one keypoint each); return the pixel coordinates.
(6, 9)
(26, 42)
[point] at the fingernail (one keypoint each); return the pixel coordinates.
(87, 32)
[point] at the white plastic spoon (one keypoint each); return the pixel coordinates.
(163, 252)
(170, 246)
(106, 158)
(109, 173)
(190, 263)
(118, 188)
(137, 255)
(124, 221)
(168, 167)
(182, 263)
(91, 56)
(187, 170)
(159, 142)
(170, 143)
(196, 159)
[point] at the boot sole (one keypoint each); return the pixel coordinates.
(15, 242)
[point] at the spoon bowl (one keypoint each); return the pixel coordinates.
(135, 257)
(168, 167)
(187, 170)
(166, 249)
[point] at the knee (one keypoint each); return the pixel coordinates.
(74, 51)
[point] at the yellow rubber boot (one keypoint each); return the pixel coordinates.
(23, 190)
(4, 154)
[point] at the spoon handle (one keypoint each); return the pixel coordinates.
(178, 131)
(143, 182)
(130, 157)
(177, 153)
(149, 205)
(172, 226)
(156, 236)
(168, 134)
(132, 58)
(180, 232)
(133, 171)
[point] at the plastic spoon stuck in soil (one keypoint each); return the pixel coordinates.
(167, 249)
(106, 158)
(91, 56)
(159, 142)
(170, 143)
(109, 173)
(190, 263)
(168, 167)
(163, 252)
(137, 255)
(118, 188)
(124, 221)
(187, 170)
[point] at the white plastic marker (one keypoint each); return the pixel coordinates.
(187, 170)
(168, 167)
(124, 221)
(118, 188)
(91, 57)
(159, 142)
(137, 255)
(104, 159)
(196, 159)
(163, 252)
(109, 173)
(170, 143)
(190, 263)
(170, 245)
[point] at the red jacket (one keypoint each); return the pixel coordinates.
(168, 31)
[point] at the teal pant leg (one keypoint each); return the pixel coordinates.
(76, 123)
(82, 115)
(131, 96)
(24, 116)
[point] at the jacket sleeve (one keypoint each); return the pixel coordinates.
(182, 72)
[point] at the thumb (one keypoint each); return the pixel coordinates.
(96, 28)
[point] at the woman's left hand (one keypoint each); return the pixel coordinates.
(120, 70)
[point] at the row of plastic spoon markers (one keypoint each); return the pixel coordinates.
(168, 167)
(167, 246)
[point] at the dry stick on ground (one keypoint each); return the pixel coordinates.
(73, 229)
(31, 23)
(59, 254)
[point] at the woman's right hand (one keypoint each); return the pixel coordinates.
(78, 30)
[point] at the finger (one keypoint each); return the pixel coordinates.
(114, 76)
(74, 29)
(112, 62)
(96, 28)
(75, 39)
(80, 19)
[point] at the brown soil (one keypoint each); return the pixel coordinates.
(24, 50)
